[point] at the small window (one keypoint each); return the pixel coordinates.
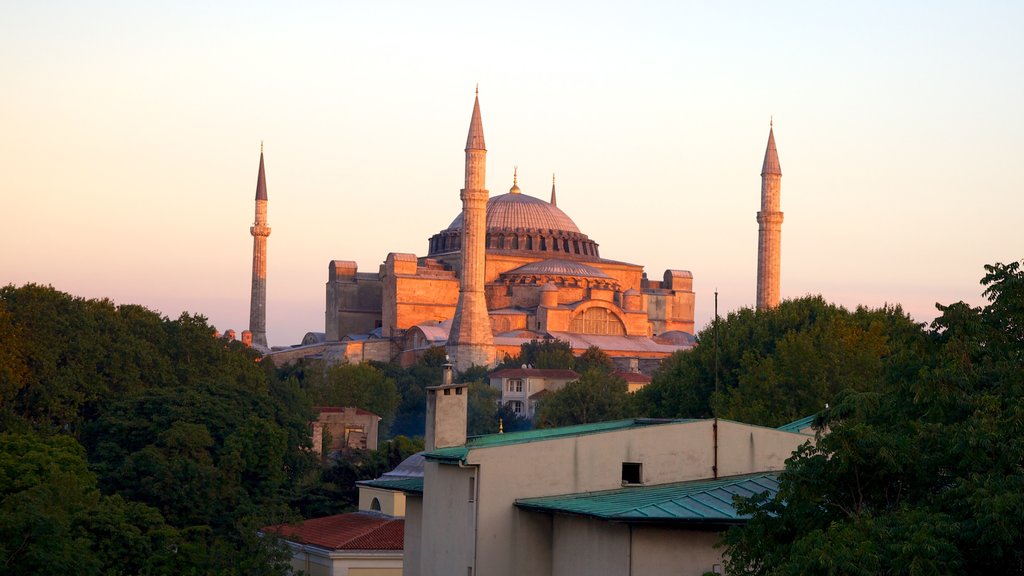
(472, 488)
(375, 505)
(632, 473)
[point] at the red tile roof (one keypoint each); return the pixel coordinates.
(635, 377)
(353, 531)
(535, 372)
(338, 409)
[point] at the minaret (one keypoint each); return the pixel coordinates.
(259, 231)
(769, 220)
(470, 341)
(554, 202)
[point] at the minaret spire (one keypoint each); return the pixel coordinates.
(470, 341)
(554, 201)
(769, 220)
(259, 231)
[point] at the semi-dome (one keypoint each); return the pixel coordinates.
(514, 210)
(556, 267)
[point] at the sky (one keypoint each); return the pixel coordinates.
(130, 135)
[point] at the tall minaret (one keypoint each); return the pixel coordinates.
(470, 341)
(259, 231)
(769, 235)
(554, 201)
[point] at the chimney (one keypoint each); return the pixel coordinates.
(447, 407)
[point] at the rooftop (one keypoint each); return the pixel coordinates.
(458, 453)
(798, 425)
(535, 373)
(354, 531)
(695, 501)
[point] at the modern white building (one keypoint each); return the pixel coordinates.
(637, 496)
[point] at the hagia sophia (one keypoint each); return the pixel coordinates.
(508, 269)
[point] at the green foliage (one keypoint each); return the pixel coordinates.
(782, 364)
(193, 440)
(53, 519)
(337, 492)
(594, 358)
(596, 397)
(411, 384)
(360, 385)
(923, 475)
(546, 353)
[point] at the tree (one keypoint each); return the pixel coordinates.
(594, 358)
(922, 476)
(361, 385)
(189, 439)
(53, 519)
(546, 353)
(777, 365)
(596, 397)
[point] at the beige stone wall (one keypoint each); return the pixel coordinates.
(674, 551)
(391, 503)
(584, 546)
(350, 428)
(413, 544)
(411, 295)
(449, 538)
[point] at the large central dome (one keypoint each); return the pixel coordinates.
(520, 223)
(514, 211)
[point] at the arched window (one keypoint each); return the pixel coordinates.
(597, 321)
(375, 505)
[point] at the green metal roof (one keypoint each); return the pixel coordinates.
(458, 453)
(696, 501)
(407, 485)
(798, 425)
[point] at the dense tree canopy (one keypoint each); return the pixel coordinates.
(924, 475)
(778, 365)
(151, 432)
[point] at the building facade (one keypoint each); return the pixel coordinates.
(507, 269)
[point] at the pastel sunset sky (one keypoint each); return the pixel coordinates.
(131, 134)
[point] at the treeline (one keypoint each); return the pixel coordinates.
(131, 443)
(922, 471)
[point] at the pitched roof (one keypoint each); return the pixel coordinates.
(695, 501)
(535, 373)
(458, 453)
(354, 531)
(635, 377)
(798, 425)
(407, 485)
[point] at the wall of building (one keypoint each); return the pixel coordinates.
(391, 503)
(354, 300)
(413, 545)
(451, 535)
(680, 552)
(584, 546)
(668, 452)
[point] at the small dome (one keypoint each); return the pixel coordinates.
(555, 267)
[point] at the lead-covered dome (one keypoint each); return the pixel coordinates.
(520, 223)
(518, 211)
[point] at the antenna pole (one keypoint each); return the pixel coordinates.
(716, 341)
